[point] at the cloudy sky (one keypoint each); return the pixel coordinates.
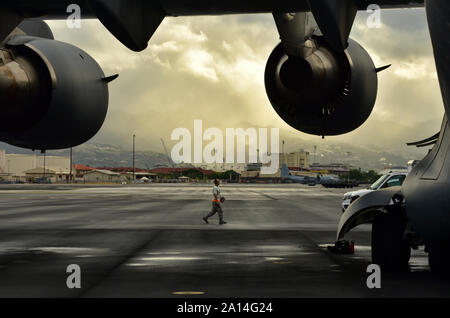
(211, 68)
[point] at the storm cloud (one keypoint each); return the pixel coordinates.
(212, 68)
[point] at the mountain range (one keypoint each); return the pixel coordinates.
(105, 155)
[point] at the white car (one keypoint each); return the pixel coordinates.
(390, 179)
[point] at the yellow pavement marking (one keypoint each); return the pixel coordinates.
(188, 293)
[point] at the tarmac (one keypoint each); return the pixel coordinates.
(150, 241)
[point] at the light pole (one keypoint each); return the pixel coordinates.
(315, 153)
(43, 151)
(134, 157)
(70, 173)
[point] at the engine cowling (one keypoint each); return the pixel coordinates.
(325, 94)
(53, 94)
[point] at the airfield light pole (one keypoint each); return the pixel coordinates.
(134, 157)
(315, 153)
(70, 173)
(43, 151)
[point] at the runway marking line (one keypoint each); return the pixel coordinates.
(188, 293)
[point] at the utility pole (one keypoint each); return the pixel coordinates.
(134, 157)
(70, 173)
(43, 151)
(315, 153)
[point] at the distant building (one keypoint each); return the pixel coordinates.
(80, 170)
(139, 176)
(184, 179)
(53, 161)
(295, 160)
(222, 167)
(123, 169)
(171, 171)
(102, 176)
(126, 173)
(257, 174)
(236, 167)
(332, 168)
(15, 165)
(298, 163)
(2, 162)
(254, 166)
(54, 174)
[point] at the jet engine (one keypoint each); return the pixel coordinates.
(53, 95)
(325, 93)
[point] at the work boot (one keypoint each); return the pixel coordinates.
(206, 220)
(222, 222)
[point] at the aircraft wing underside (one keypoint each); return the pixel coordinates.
(133, 22)
(318, 80)
(57, 8)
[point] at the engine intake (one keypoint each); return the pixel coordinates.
(325, 94)
(53, 94)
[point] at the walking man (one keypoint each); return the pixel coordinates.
(216, 203)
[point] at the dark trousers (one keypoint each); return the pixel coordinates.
(216, 208)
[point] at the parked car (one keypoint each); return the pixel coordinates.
(390, 179)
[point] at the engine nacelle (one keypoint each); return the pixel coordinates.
(326, 93)
(53, 95)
